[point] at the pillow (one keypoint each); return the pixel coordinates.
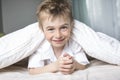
(19, 44)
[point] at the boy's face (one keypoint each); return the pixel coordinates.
(57, 31)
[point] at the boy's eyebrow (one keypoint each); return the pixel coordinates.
(66, 24)
(49, 27)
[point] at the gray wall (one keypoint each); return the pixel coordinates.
(1, 29)
(17, 14)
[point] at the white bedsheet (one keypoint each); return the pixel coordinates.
(96, 71)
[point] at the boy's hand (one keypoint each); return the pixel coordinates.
(67, 64)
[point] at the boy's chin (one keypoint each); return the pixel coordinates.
(58, 45)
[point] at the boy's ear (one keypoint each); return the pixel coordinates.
(40, 27)
(72, 24)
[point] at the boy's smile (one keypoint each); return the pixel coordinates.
(58, 41)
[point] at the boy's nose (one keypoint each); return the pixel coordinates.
(57, 34)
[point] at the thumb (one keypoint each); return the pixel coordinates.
(67, 55)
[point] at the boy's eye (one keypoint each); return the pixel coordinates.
(64, 28)
(50, 29)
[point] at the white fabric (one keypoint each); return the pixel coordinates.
(19, 44)
(22, 43)
(45, 54)
(97, 45)
(96, 71)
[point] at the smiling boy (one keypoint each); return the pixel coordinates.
(62, 54)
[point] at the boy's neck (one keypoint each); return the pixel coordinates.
(58, 51)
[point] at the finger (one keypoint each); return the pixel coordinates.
(69, 66)
(67, 55)
(65, 58)
(64, 70)
(66, 65)
(70, 61)
(60, 58)
(66, 61)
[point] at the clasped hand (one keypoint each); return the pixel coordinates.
(66, 64)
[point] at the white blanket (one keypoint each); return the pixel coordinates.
(22, 43)
(19, 44)
(97, 45)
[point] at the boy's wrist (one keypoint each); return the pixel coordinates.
(79, 66)
(55, 66)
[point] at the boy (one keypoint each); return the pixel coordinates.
(62, 53)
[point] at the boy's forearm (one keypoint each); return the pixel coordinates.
(47, 68)
(80, 66)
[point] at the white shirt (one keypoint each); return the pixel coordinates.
(45, 54)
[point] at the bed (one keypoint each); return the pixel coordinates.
(97, 70)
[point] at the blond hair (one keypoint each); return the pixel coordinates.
(55, 8)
